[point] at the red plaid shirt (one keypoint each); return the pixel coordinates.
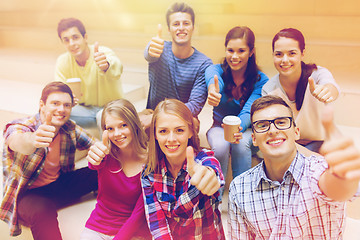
(177, 210)
(20, 171)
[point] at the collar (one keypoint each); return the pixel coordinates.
(295, 171)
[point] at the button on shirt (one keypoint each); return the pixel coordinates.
(260, 208)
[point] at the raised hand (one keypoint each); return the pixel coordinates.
(339, 151)
(99, 150)
(44, 135)
(203, 178)
(214, 96)
(100, 58)
(156, 46)
(320, 92)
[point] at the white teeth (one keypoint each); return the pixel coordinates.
(171, 147)
(275, 141)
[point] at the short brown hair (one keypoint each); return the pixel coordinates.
(67, 23)
(55, 87)
(180, 7)
(267, 101)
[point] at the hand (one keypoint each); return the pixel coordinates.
(203, 178)
(100, 58)
(99, 150)
(44, 135)
(237, 135)
(320, 92)
(156, 46)
(214, 96)
(145, 120)
(339, 151)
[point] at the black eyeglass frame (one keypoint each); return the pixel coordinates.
(272, 122)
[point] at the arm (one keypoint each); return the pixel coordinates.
(155, 216)
(341, 180)
(244, 114)
(198, 92)
(83, 139)
(61, 68)
(115, 67)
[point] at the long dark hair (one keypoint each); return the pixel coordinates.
(306, 69)
(251, 73)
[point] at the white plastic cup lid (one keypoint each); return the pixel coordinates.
(231, 120)
(73, 80)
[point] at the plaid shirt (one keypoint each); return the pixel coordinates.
(293, 209)
(177, 210)
(20, 171)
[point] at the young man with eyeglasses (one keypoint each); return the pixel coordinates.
(288, 195)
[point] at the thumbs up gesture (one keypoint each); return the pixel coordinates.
(214, 96)
(320, 92)
(203, 178)
(339, 151)
(156, 46)
(100, 58)
(44, 135)
(99, 150)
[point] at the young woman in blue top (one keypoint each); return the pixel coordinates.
(233, 86)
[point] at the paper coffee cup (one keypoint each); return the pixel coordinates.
(75, 85)
(231, 126)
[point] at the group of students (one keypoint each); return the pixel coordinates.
(153, 179)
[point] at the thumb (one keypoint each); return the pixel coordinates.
(331, 130)
(159, 33)
(105, 138)
(311, 84)
(96, 47)
(190, 160)
(216, 81)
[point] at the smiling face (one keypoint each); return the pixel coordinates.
(275, 144)
(287, 57)
(119, 131)
(59, 106)
(181, 28)
(237, 54)
(172, 134)
(75, 43)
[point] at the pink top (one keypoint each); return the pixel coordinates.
(51, 170)
(119, 210)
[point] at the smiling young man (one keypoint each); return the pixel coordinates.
(38, 165)
(176, 69)
(288, 195)
(97, 66)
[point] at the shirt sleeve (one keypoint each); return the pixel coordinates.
(323, 76)
(155, 216)
(210, 72)
(198, 94)
(61, 69)
(83, 139)
(237, 227)
(244, 114)
(115, 69)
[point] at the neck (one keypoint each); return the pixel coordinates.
(174, 168)
(276, 168)
(289, 84)
(182, 51)
(238, 76)
(81, 59)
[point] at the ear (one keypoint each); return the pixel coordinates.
(41, 103)
(297, 133)
(254, 139)
(303, 55)
(86, 37)
(252, 52)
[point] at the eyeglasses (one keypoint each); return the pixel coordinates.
(281, 123)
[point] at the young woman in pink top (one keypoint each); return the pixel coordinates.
(119, 211)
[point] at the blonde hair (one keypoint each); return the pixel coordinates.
(124, 109)
(180, 110)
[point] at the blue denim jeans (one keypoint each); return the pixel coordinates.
(87, 116)
(240, 153)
